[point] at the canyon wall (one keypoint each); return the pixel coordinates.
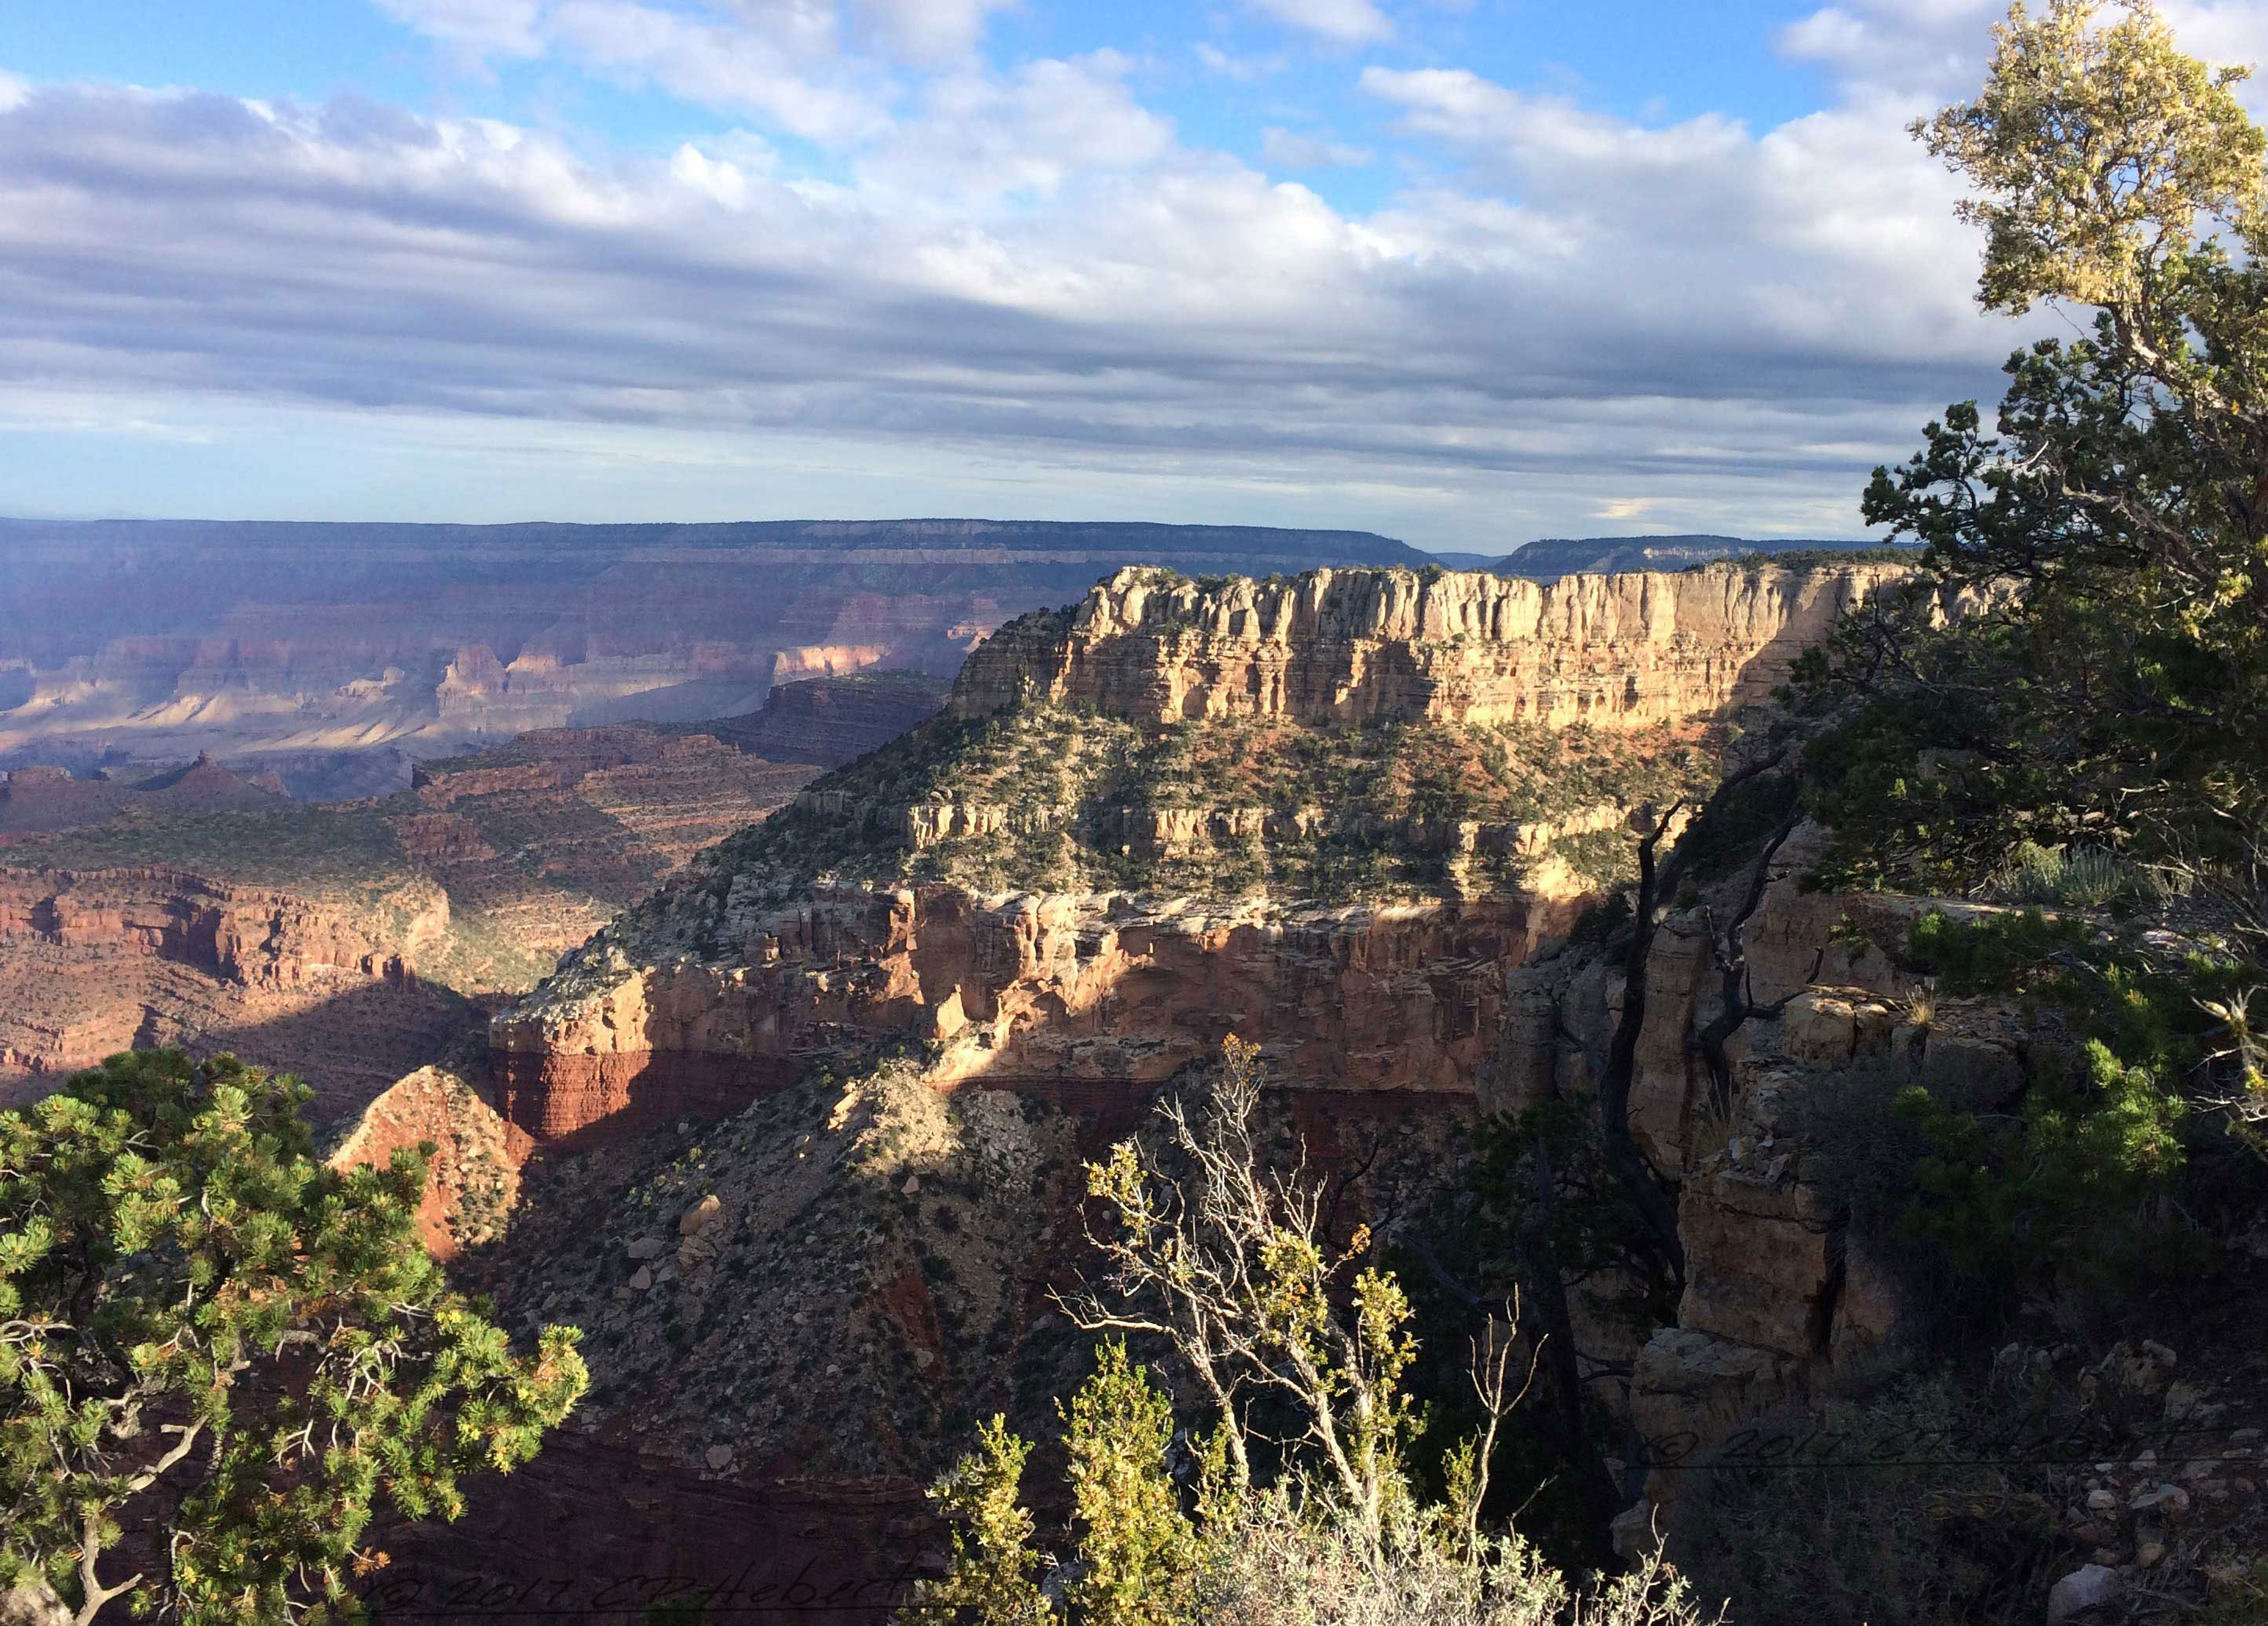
(1785, 1302)
(94, 962)
(1090, 1001)
(828, 722)
(713, 992)
(1338, 646)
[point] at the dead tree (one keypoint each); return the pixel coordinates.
(1659, 880)
(1737, 994)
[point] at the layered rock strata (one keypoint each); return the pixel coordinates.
(1783, 1302)
(1334, 646)
(95, 962)
(830, 721)
(726, 984)
(1091, 1001)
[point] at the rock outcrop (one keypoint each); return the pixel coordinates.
(240, 934)
(1784, 1301)
(473, 1174)
(1338, 646)
(830, 721)
(94, 962)
(1090, 1001)
(820, 931)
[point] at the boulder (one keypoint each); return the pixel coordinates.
(2088, 1587)
(699, 1215)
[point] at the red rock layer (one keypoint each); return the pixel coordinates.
(95, 962)
(240, 934)
(1059, 993)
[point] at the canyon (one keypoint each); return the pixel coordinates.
(729, 982)
(702, 1098)
(848, 988)
(316, 651)
(352, 943)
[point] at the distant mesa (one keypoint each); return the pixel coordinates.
(828, 721)
(1551, 557)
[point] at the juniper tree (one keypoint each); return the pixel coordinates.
(2113, 690)
(207, 1333)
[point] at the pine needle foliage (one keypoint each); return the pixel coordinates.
(197, 1314)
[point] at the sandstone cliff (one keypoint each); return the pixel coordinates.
(1329, 814)
(92, 962)
(1337, 646)
(831, 721)
(1088, 1002)
(1786, 1301)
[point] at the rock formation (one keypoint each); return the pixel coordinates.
(1783, 1302)
(472, 1174)
(1338, 646)
(830, 721)
(1088, 1002)
(92, 962)
(819, 930)
(198, 909)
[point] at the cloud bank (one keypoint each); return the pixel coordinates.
(1556, 316)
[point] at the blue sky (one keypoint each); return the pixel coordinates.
(1466, 271)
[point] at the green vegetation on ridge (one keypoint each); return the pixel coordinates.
(1346, 812)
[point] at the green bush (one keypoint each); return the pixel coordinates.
(2082, 878)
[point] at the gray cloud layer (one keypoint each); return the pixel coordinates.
(1575, 318)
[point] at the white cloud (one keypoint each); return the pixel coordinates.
(976, 135)
(721, 65)
(1025, 270)
(1289, 148)
(928, 31)
(1346, 22)
(780, 59)
(1245, 70)
(1936, 49)
(505, 28)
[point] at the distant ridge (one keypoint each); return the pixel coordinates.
(1125, 540)
(1554, 556)
(307, 646)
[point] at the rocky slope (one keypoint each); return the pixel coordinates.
(280, 643)
(1330, 813)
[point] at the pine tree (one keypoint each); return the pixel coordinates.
(197, 1313)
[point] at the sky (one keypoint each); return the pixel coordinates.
(1466, 272)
